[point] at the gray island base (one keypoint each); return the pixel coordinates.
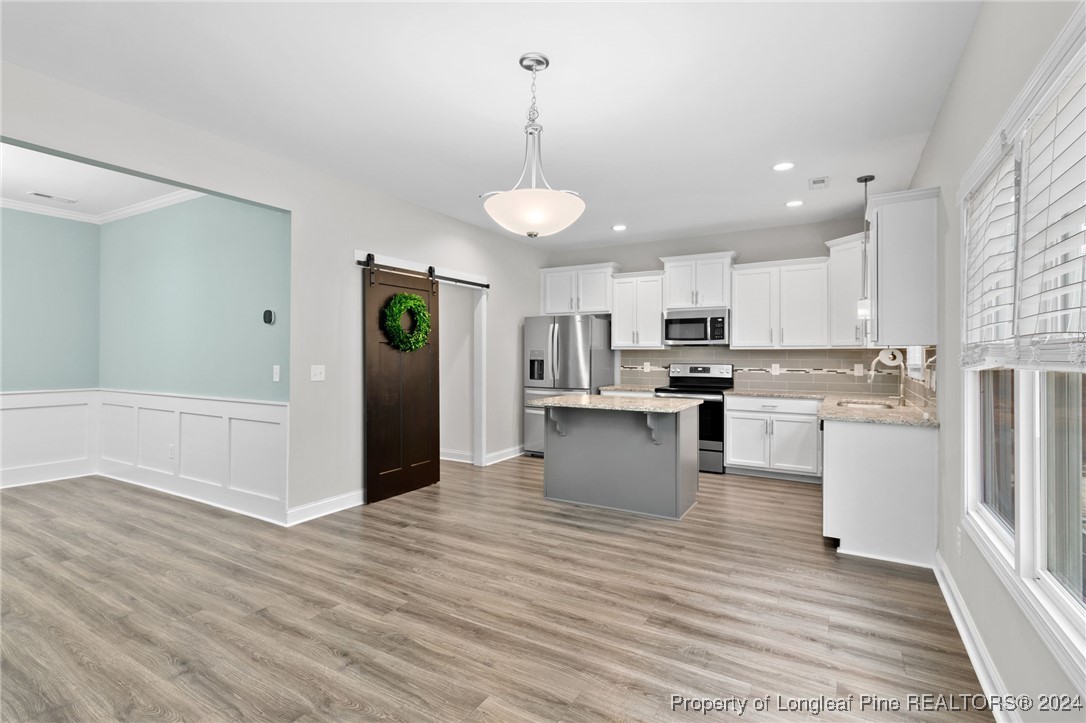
(622, 453)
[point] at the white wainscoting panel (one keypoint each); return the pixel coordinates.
(204, 448)
(47, 436)
(158, 440)
(227, 453)
(255, 467)
(118, 433)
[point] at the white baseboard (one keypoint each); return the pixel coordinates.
(504, 454)
(320, 508)
(990, 681)
(455, 455)
(172, 491)
(883, 558)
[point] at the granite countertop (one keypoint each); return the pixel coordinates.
(908, 416)
(616, 404)
(629, 388)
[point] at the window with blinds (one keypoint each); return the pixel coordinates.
(1052, 247)
(990, 249)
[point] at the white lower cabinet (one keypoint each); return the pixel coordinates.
(879, 490)
(774, 434)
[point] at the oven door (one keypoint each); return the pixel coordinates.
(710, 429)
(694, 330)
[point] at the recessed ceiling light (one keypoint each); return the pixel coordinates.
(619, 227)
(786, 166)
(793, 204)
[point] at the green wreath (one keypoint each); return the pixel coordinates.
(398, 337)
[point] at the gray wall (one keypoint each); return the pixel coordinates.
(456, 306)
(331, 218)
(1007, 43)
(764, 244)
(50, 302)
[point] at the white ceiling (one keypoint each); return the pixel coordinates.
(665, 116)
(100, 194)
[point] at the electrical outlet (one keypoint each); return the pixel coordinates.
(857, 370)
(316, 373)
(959, 541)
(275, 373)
(172, 453)
(775, 369)
(646, 367)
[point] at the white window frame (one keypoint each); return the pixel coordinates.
(1020, 560)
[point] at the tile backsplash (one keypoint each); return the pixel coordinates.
(801, 370)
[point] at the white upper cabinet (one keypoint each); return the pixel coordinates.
(637, 311)
(779, 305)
(755, 306)
(701, 280)
(845, 290)
(902, 255)
(803, 305)
(576, 289)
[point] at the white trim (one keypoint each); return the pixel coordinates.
(28, 207)
(504, 454)
(478, 369)
(173, 493)
(913, 194)
(320, 508)
(845, 240)
(170, 395)
(783, 262)
(881, 558)
(987, 673)
(408, 265)
(1060, 57)
(730, 255)
(659, 274)
(455, 455)
(1058, 638)
(169, 199)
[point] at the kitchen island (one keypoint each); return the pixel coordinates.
(624, 453)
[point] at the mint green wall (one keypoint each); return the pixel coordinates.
(183, 290)
(49, 299)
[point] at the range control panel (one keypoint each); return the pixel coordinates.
(718, 371)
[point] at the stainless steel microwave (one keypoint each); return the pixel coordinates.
(697, 327)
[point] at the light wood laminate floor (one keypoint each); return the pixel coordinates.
(475, 599)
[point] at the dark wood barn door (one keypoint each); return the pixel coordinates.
(402, 413)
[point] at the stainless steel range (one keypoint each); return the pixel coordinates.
(707, 382)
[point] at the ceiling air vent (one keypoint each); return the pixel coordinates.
(51, 197)
(817, 184)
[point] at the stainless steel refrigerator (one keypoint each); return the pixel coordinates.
(563, 355)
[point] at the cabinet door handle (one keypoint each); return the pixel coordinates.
(771, 335)
(693, 299)
(571, 303)
(782, 336)
(635, 336)
(578, 302)
(766, 427)
(857, 332)
(697, 297)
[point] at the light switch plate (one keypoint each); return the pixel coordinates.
(775, 369)
(857, 370)
(646, 367)
(275, 372)
(316, 373)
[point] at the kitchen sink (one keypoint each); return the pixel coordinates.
(857, 404)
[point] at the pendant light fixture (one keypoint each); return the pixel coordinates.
(531, 207)
(863, 306)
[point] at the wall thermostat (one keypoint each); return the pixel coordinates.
(269, 316)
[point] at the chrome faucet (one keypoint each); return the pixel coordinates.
(891, 358)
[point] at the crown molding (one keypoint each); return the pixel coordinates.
(47, 211)
(135, 209)
(153, 204)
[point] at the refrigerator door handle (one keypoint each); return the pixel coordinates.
(554, 352)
